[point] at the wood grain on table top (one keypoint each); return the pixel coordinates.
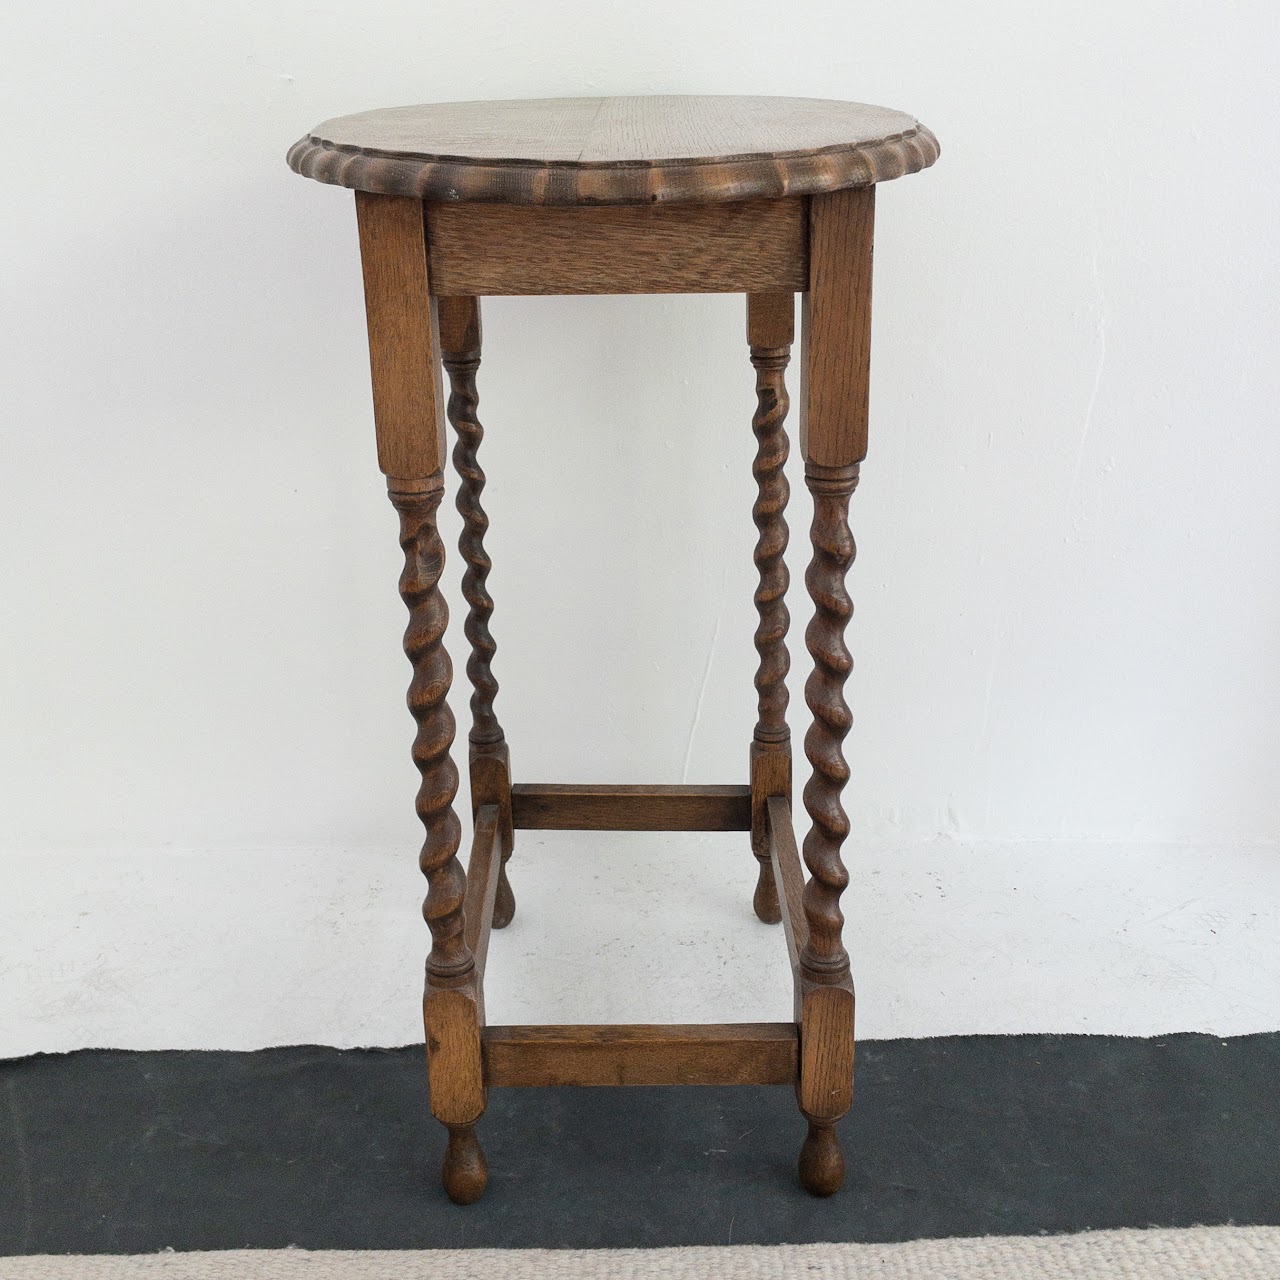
(615, 150)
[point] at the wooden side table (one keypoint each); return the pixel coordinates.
(764, 196)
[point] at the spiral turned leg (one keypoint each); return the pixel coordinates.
(824, 955)
(404, 365)
(490, 761)
(451, 1004)
(826, 994)
(770, 329)
(417, 502)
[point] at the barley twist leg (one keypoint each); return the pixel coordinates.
(833, 552)
(771, 743)
(451, 999)
(432, 675)
(826, 987)
(489, 755)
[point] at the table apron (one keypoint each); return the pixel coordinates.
(749, 246)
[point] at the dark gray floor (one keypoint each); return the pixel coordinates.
(109, 1151)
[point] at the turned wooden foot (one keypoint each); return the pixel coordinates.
(765, 901)
(504, 906)
(821, 1160)
(465, 1173)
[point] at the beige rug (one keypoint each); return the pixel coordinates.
(1197, 1253)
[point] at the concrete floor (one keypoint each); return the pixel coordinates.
(178, 949)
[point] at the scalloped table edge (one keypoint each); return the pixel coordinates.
(449, 178)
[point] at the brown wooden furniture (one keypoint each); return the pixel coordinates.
(764, 196)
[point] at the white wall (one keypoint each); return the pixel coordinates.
(1068, 603)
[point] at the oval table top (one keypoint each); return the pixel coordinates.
(573, 151)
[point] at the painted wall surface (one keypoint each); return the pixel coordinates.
(1068, 602)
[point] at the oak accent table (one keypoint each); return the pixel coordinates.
(764, 196)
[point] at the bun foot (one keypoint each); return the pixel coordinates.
(765, 901)
(466, 1173)
(504, 903)
(821, 1161)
